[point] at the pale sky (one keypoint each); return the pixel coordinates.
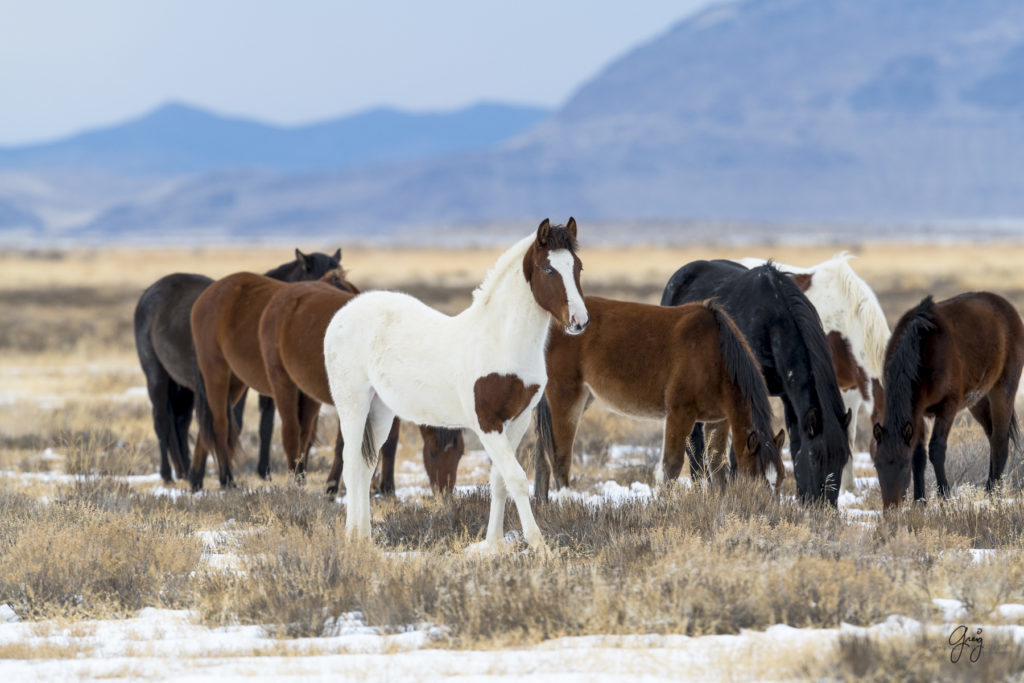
(66, 65)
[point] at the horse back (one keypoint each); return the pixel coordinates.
(225, 325)
(163, 330)
(291, 332)
(983, 335)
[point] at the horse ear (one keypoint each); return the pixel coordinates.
(302, 259)
(571, 227)
(780, 439)
(908, 432)
(877, 431)
(543, 232)
(337, 255)
(847, 418)
(752, 443)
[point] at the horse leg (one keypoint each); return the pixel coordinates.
(353, 420)
(184, 403)
(309, 411)
(215, 400)
(696, 451)
(197, 470)
(266, 404)
(918, 462)
(1001, 408)
(161, 395)
(852, 400)
(288, 400)
(678, 425)
(503, 459)
(387, 460)
(937, 445)
(566, 412)
(718, 440)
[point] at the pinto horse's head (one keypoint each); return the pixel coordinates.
(552, 270)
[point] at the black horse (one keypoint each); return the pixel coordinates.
(785, 333)
(163, 339)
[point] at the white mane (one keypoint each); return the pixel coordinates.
(511, 261)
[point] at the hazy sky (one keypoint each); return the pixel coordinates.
(67, 65)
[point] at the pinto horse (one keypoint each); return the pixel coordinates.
(163, 339)
(857, 333)
(389, 354)
(964, 352)
(678, 364)
(291, 338)
(225, 331)
(786, 335)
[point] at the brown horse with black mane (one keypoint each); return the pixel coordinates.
(291, 337)
(225, 330)
(964, 352)
(679, 364)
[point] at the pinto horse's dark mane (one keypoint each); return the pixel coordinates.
(745, 372)
(808, 327)
(903, 367)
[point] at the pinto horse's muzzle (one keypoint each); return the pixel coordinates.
(577, 323)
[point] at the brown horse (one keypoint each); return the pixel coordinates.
(291, 338)
(679, 364)
(964, 352)
(225, 331)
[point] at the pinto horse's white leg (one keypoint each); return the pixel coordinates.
(851, 400)
(496, 523)
(503, 458)
(355, 472)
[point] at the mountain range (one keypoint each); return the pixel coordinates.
(762, 112)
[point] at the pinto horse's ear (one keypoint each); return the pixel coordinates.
(908, 432)
(302, 260)
(337, 255)
(571, 227)
(543, 232)
(780, 439)
(847, 418)
(752, 443)
(877, 431)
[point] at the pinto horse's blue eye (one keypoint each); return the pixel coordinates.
(547, 270)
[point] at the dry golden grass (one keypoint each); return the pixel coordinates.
(693, 562)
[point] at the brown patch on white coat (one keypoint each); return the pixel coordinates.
(500, 398)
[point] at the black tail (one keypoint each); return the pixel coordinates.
(745, 374)
(545, 448)
(1014, 430)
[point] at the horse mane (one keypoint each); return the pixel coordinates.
(512, 261)
(745, 373)
(903, 367)
(864, 310)
(809, 329)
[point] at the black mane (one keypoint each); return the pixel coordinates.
(560, 238)
(903, 364)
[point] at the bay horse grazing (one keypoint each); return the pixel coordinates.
(787, 338)
(964, 352)
(163, 339)
(389, 354)
(679, 365)
(856, 329)
(225, 331)
(291, 339)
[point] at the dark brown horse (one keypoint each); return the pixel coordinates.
(225, 330)
(679, 364)
(163, 339)
(291, 337)
(964, 352)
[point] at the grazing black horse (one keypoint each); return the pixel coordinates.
(163, 338)
(785, 333)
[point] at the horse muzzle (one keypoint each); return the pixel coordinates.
(577, 323)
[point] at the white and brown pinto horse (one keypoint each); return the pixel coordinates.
(389, 354)
(856, 330)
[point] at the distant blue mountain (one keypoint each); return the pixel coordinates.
(177, 138)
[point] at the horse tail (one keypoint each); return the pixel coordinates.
(1014, 430)
(545, 447)
(745, 375)
(204, 416)
(368, 448)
